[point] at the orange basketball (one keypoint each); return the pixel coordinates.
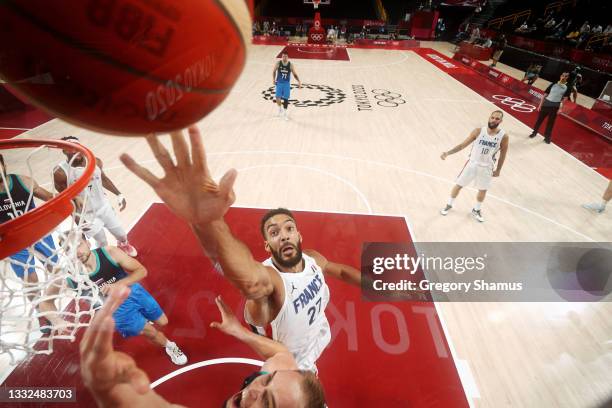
(127, 67)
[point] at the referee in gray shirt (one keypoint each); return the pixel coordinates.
(554, 95)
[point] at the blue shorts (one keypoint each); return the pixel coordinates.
(46, 248)
(135, 311)
(283, 90)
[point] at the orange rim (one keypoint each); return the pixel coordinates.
(25, 230)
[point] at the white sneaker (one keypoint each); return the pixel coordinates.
(446, 209)
(598, 208)
(285, 115)
(176, 355)
(476, 214)
(127, 248)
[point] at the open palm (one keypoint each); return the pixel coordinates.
(187, 186)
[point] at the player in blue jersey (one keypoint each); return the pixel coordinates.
(107, 266)
(16, 200)
(281, 76)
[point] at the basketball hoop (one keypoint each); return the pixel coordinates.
(316, 3)
(47, 295)
(23, 231)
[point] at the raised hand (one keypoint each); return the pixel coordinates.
(109, 374)
(229, 323)
(187, 186)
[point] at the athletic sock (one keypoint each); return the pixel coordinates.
(451, 201)
(477, 206)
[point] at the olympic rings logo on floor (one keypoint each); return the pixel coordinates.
(329, 96)
(515, 104)
(387, 99)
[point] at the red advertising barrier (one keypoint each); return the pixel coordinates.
(600, 124)
(601, 62)
(325, 21)
(603, 107)
(423, 24)
(269, 40)
(386, 44)
(475, 51)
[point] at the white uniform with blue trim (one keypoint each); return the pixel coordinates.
(483, 155)
(99, 212)
(301, 324)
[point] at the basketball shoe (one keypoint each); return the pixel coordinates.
(176, 354)
(598, 208)
(477, 215)
(446, 209)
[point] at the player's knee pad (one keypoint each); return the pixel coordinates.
(285, 103)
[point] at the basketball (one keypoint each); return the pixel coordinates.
(124, 67)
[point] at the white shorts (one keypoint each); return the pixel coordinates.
(482, 175)
(104, 217)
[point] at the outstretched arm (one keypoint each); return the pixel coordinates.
(470, 139)
(37, 190)
(339, 271)
(113, 377)
(252, 278)
(265, 347)
(190, 192)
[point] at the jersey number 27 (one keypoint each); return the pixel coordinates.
(314, 311)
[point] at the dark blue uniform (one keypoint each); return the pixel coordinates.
(20, 202)
(283, 80)
(137, 309)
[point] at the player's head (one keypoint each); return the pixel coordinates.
(284, 56)
(283, 388)
(495, 119)
(564, 77)
(281, 236)
(69, 154)
(83, 251)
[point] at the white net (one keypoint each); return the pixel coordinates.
(45, 292)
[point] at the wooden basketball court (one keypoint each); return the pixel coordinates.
(364, 136)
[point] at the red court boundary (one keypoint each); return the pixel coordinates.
(381, 355)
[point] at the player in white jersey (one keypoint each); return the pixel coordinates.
(486, 143)
(288, 291)
(114, 379)
(99, 213)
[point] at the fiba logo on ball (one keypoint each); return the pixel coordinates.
(122, 67)
(330, 96)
